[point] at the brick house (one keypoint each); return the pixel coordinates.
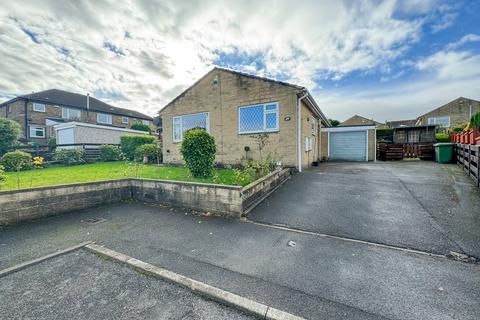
(236, 108)
(453, 114)
(38, 112)
(357, 120)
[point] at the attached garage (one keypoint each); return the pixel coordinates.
(349, 143)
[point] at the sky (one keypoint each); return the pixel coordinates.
(385, 60)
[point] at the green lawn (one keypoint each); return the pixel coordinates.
(106, 171)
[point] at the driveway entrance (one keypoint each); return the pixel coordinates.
(410, 204)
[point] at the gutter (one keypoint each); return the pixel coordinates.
(299, 130)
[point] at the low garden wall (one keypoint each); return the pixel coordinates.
(223, 200)
(27, 204)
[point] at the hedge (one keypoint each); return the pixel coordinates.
(129, 143)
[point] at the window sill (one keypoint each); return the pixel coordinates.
(257, 132)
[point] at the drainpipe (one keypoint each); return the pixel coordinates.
(299, 130)
(27, 129)
(88, 107)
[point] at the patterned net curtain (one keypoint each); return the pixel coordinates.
(258, 118)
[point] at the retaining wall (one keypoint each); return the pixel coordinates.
(222, 200)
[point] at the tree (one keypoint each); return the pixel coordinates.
(10, 132)
(334, 122)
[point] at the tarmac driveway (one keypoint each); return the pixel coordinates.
(410, 204)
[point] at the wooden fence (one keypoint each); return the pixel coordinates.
(468, 158)
(396, 151)
(92, 150)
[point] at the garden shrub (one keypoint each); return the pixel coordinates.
(475, 120)
(442, 137)
(385, 135)
(69, 156)
(140, 127)
(129, 143)
(254, 170)
(52, 144)
(110, 153)
(3, 176)
(151, 151)
(198, 150)
(457, 129)
(10, 132)
(16, 161)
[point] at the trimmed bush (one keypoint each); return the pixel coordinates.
(442, 137)
(151, 151)
(198, 150)
(457, 129)
(10, 132)
(129, 143)
(110, 153)
(69, 156)
(16, 161)
(385, 135)
(140, 127)
(52, 144)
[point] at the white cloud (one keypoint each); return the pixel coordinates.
(163, 46)
(464, 40)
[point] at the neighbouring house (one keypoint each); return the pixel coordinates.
(456, 113)
(414, 134)
(38, 112)
(400, 123)
(87, 133)
(239, 110)
(357, 120)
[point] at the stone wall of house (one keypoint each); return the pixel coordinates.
(458, 110)
(221, 93)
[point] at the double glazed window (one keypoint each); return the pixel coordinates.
(68, 113)
(181, 124)
(441, 121)
(258, 118)
(37, 132)
(125, 120)
(104, 118)
(39, 107)
(146, 122)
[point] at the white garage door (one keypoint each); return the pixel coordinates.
(350, 146)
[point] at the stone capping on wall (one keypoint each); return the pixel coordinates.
(255, 192)
(222, 200)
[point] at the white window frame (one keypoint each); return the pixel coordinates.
(34, 129)
(181, 124)
(433, 120)
(265, 112)
(125, 120)
(39, 107)
(109, 117)
(66, 113)
(146, 122)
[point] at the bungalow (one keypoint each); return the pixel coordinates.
(252, 117)
(249, 117)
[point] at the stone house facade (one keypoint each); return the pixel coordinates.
(456, 113)
(37, 113)
(237, 109)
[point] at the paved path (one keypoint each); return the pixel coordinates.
(411, 204)
(318, 278)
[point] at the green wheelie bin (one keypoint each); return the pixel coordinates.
(444, 152)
